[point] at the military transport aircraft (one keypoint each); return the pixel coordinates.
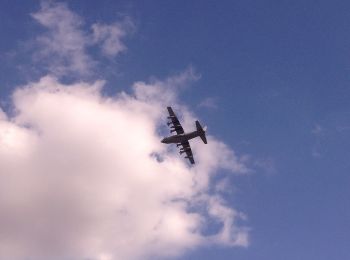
(181, 138)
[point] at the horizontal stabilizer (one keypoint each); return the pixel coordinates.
(201, 132)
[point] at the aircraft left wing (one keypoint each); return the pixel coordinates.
(186, 148)
(176, 126)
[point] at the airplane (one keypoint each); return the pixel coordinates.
(181, 138)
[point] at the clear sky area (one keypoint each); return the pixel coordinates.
(83, 93)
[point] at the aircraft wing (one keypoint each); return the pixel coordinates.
(187, 148)
(175, 122)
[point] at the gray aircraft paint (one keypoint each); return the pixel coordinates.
(174, 139)
(181, 138)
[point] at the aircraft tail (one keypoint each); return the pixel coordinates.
(201, 132)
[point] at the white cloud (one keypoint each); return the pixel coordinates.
(229, 234)
(63, 45)
(84, 176)
(164, 92)
(2, 115)
(110, 36)
(79, 179)
(63, 48)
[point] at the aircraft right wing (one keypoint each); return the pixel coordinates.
(176, 126)
(187, 149)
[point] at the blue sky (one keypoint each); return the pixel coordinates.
(274, 86)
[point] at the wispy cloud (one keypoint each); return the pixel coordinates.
(267, 165)
(63, 47)
(317, 130)
(210, 103)
(79, 178)
(110, 36)
(343, 128)
(315, 151)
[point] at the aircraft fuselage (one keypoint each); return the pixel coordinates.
(174, 139)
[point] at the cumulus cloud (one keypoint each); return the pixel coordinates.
(84, 176)
(2, 115)
(62, 48)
